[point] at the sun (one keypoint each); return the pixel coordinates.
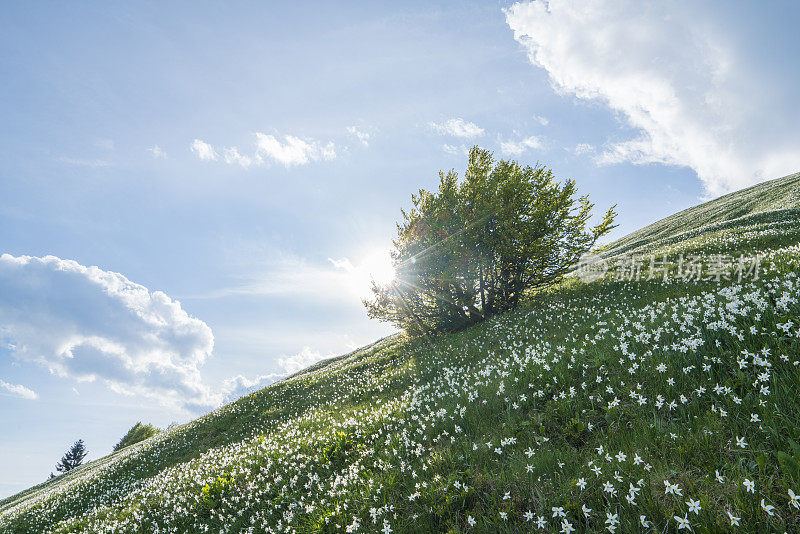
(377, 265)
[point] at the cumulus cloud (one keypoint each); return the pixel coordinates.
(515, 148)
(18, 390)
(293, 150)
(297, 362)
(88, 324)
(239, 385)
(203, 150)
(660, 67)
(457, 127)
(232, 155)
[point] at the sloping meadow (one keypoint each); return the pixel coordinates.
(628, 404)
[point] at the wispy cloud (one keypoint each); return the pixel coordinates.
(18, 390)
(520, 146)
(457, 150)
(696, 106)
(287, 274)
(287, 150)
(457, 127)
(362, 136)
(541, 120)
(81, 162)
(278, 273)
(158, 152)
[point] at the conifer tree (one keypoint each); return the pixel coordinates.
(73, 457)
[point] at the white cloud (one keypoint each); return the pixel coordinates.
(158, 152)
(689, 94)
(307, 356)
(456, 150)
(232, 156)
(293, 150)
(240, 385)
(343, 264)
(18, 390)
(363, 137)
(583, 148)
(87, 324)
(457, 127)
(289, 152)
(541, 120)
(515, 148)
(203, 150)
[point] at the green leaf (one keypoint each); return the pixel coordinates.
(795, 448)
(789, 464)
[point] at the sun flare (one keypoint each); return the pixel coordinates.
(377, 265)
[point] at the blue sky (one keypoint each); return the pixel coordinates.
(193, 194)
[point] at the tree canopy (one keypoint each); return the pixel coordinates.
(137, 433)
(475, 247)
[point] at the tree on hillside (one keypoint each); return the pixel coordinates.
(137, 433)
(73, 457)
(477, 246)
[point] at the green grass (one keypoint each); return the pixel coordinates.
(472, 431)
(731, 210)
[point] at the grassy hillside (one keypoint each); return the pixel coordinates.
(618, 405)
(728, 211)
